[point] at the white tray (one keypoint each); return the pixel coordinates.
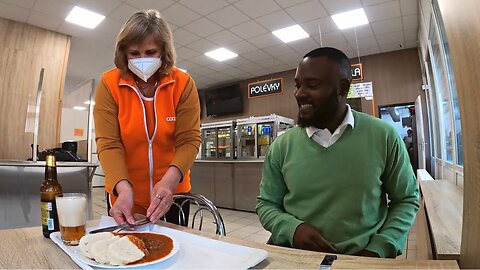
(196, 252)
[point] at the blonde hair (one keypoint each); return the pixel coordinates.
(141, 25)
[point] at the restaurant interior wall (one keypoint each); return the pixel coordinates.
(25, 50)
(396, 78)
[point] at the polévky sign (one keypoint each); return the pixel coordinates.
(265, 88)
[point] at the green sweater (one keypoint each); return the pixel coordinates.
(342, 190)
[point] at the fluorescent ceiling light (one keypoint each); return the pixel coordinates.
(84, 17)
(184, 70)
(78, 108)
(221, 54)
(350, 18)
(88, 102)
(291, 33)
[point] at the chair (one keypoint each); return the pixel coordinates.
(202, 204)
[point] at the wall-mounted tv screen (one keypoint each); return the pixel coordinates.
(224, 100)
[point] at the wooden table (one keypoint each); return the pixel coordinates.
(27, 248)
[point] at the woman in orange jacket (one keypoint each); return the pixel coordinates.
(147, 122)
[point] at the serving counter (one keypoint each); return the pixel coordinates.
(43, 253)
(228, 183)
(20, 183)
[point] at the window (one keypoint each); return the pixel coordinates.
(439, 71)
(451, 83)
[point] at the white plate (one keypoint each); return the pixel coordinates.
(91, 262)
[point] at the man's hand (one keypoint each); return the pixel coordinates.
(368, 253)
(162, 194)
(310, 238)
(121, 210)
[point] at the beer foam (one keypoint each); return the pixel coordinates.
(71, 211)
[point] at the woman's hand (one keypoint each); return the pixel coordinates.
(310, 238)
(121, 210)
(162, 194)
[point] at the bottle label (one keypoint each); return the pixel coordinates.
(47, 215)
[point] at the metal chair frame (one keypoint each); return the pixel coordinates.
(202, 204)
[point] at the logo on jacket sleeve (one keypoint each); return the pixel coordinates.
(171, 119)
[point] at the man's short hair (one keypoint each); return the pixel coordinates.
(335, 55)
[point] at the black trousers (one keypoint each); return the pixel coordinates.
(172, 215)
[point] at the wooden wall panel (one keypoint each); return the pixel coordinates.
(462, 27)
(25, 50)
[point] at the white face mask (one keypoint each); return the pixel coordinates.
(144, 68)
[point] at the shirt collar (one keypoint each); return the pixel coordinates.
(348, 120)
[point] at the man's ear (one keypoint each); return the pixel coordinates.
(344, 87)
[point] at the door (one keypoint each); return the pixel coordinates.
(420, 134)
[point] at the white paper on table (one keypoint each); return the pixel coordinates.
(196, 252)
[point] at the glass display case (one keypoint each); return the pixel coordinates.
(217, 140)
(256, 134)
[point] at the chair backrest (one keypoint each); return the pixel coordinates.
(202, 204)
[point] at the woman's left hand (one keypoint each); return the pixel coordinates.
(162, 194)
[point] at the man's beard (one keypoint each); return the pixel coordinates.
(322, 114)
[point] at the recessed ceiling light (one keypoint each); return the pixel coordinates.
(84, 17)
(78, 108)
(184, 70)
(350, 18)
(88, 102)
(221, 54)
(291, 33)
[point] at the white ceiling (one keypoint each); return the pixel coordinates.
(243, 26)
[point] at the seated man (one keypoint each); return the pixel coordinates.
(341, 181)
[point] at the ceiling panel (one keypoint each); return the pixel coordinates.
(408, 7)
(255, 8)
(203, 7)
(55, 8)
(387, 26)
(184, 37)
(410, 22)
(324, 25)
(383, 11)
(13, 12)
(224, 37)
(150, 4)
(289, 3)
(228, 17)
(337, 6)
(265, 40)
(276, 20)
(44, 21)
(243, 26)
(20, 3)
(396, 37)
(311, 10)
(180, 15)
(104, 7)
(203, 27)
(248, 29)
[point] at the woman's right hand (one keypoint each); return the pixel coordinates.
(121, 210)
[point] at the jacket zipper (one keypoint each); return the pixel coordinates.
(150, 140)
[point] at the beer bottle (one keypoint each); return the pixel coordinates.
(50, 187)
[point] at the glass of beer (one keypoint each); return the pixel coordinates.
(72, 216)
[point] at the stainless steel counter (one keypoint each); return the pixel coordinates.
(20, 183)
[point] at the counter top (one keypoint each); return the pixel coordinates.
(229, 161)
(26, 163)
(43, 253)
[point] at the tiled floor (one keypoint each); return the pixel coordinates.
(243, 225)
